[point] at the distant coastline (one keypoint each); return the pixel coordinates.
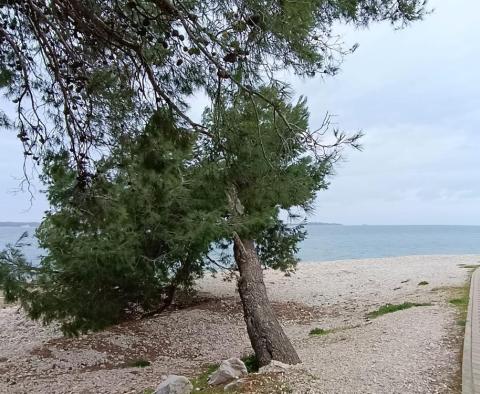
(324, 224)
(19, 224)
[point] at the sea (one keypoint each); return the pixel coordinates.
(339, 242)
(12, 233)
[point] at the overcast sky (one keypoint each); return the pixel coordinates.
(415, 94)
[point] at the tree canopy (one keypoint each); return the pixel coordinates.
(121, 246)
(157, 207)
(84, 73)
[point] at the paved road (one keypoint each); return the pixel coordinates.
(471, 346)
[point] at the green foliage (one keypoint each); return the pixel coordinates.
(200, 382)
(264, 158)
(95, 84)
(251, 362)
(469, 266)
(15, 271)
(123, 243)
(320, 331)
(155, 208)
(277, 246)
(6, 77)
(390, 308)
(459, 301)
(140, 194)
(140, 363)
(423, 283)
(262, 165)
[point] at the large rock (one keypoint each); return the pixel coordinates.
(274, 367)
(175, 385)
(230, 369)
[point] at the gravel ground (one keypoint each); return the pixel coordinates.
(411, 351)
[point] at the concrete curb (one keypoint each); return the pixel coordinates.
(471, 343)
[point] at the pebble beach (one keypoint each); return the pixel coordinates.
(416, 350)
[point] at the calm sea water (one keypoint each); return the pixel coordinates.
(357, 242)
(10, 235)
(331, 242)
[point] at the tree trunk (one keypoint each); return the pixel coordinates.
(266, 335)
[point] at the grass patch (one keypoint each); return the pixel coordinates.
(140, 363)
(457, 296)
(423, 283)
(390, 308)
(320, 331)
(461, 299)
(251, 362)
(263, 384)
(200, 383)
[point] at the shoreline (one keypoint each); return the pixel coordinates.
(414, 350)
(389, 278)
(364, 259)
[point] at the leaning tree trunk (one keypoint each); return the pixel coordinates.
(266, 335)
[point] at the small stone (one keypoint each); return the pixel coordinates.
(230, 369)
(175, 385)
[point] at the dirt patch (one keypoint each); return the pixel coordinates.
(156, 338)
(287, 312)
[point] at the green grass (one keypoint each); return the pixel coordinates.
(461, 302)
(469, 266)
(251, 363)
(140, 363)
(390, 308)
(423, 283)
(200, 383)
(264, 384)
(320, 331)
(460, 298)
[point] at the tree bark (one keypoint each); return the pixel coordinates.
(266, 335)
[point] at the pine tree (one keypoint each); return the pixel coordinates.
(266, 165)
(157, 207)
(121, 246)
(98, 71)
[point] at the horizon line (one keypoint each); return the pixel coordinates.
(15, 222)
(391, 224)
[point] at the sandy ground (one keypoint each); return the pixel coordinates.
(411, 351)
